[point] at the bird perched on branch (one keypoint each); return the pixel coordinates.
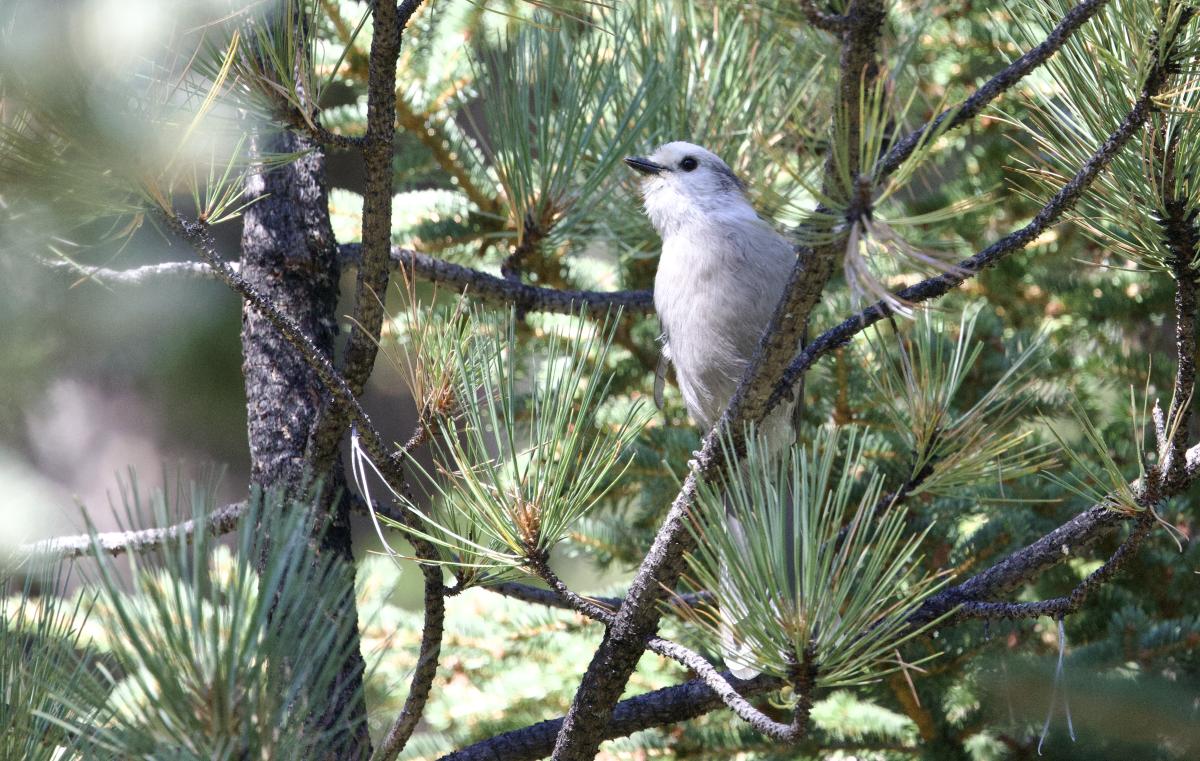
(722, 273)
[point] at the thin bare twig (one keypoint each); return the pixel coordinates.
(144, 275)
(220, 521)
(552, 599)
(433, 627)
(198, 236)
(389, 20)
(319, 134)
(421, 684)
(961, 113)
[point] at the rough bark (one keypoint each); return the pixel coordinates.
(289, 254)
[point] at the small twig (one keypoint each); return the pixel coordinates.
(135, 275)
(549, 597)
(995, 87)
(593, 609)
(722, 684)
(1160, 430)
(552, 599)
(362, 346)
(1060, 607)
(423, 675)
(318, 133)
(220, 521)
(433, 628)
(198, 236)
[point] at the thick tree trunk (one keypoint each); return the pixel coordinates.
(289, 254)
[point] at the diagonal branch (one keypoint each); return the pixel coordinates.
(652, 709)
(551, 599)
(717, 682)
(433, 627)
(389, 21)
(197, 235)
(1056, 547)
(995, 87)
(423, 675)
(939, 285)
(637, 619)
(1060, 607)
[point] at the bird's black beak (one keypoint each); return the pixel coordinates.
(643, 165)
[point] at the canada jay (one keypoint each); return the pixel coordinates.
(722, 272)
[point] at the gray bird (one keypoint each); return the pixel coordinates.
(722, 272)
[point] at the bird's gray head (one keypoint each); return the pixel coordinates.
(682, 181)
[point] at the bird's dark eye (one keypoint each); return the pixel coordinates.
(688, 164)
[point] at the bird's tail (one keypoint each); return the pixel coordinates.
(735, 650)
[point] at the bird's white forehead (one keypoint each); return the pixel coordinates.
(672, 153)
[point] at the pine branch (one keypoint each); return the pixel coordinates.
(319, 134)
(722, 686)
(144, 275)
(669, 705)
(198, 236)
(477, 284)
(939, 285)
(593, 609)
(697, 697)
(549, 598)
(498, 290)
(538, 596)
(1060, 607)
(220, 521)
(389, 20)
(1055, 547)
(638, 617)
(995, 87)
(423, 675)
(786, 733)
(433, 626)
